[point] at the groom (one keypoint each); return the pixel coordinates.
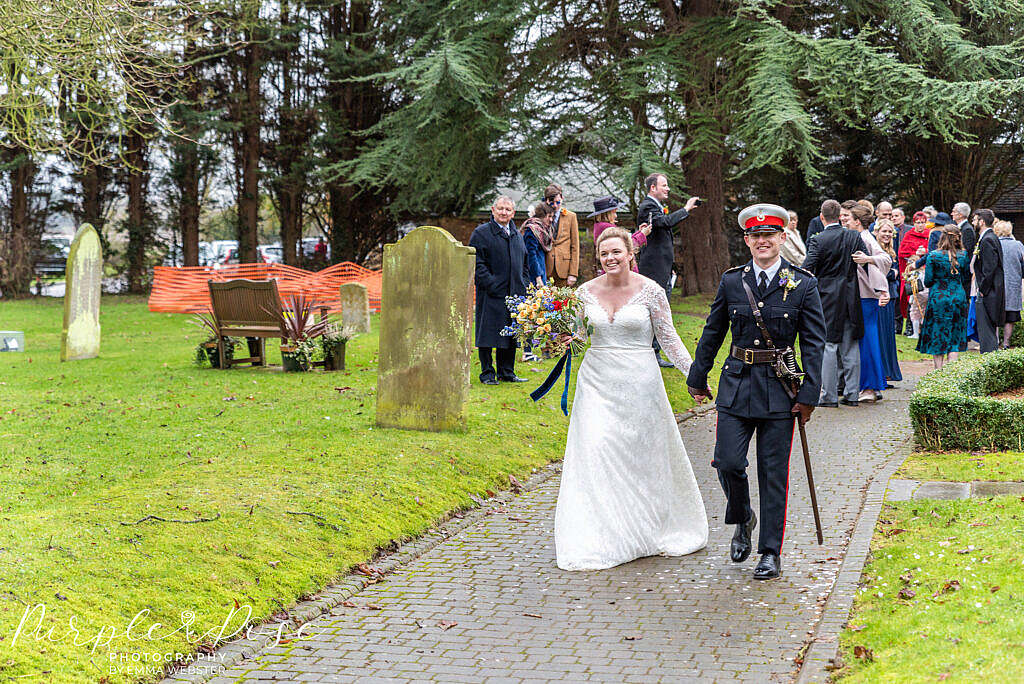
(751, 397)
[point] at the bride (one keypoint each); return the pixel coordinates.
(627, 487)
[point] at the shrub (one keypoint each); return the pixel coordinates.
(951, 408)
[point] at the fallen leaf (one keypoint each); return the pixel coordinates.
(372, 606)
(342, 389)
(364, 569)
(857, 628)
(514, 483)
(944, 676)
(906, 593)
(979, 525)
(490, 494)
(349, 604)
(994, 589)
(533, 615)
(273, 564)
(445, 625)
(864, 653)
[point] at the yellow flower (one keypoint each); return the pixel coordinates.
(540, 321)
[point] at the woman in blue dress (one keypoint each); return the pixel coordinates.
(947, 277)
(536, 232)
(885, 234)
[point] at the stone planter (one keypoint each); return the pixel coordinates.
(293, 361)
(334, 356)
(211, 352)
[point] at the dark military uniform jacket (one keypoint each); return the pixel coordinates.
(754, 390)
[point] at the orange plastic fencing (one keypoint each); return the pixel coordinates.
(183, 289)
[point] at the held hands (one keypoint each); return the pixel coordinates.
(700, 396)
(571, 280)
(921, 251)
(861, 257)
(803, 412)
(691, 203)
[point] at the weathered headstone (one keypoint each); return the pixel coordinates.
(355, 308)
(425, 333)
(81, 337)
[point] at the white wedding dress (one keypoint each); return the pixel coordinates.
(627, 487)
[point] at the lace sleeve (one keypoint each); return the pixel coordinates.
(664, 330)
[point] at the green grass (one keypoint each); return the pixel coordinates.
(140, 431)
(1001, 466)
(936, 633)
(906, 350)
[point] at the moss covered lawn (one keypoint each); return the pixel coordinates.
(89, 449)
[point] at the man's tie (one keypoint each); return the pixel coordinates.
(762, 282)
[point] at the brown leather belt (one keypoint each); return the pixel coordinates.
(752, 356)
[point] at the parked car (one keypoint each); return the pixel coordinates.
(53, 257)
(272, 254)
(308, 247)
(220, 248)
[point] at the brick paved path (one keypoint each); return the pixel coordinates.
(517, 617)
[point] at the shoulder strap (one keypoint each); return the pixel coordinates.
(756, 310)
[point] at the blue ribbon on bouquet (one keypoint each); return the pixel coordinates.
(549, 382)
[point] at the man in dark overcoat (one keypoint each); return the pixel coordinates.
(830, 259)
(751, 396)
(655, 259)
(501, 271)
(988, 274)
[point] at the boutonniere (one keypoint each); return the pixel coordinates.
(664, 210)
(787, 282)
(977, 248)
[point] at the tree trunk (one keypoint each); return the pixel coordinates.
(290, 201)
(249, 197)
(16, 259)
(138, 216)
(701, 249)
(188, 212)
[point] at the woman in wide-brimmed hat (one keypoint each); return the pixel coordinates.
(605, 211)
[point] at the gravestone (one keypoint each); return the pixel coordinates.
(355, 308)
(425, 334)
(81, 336)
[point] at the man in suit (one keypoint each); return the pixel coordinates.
(501, 271)
(655, 260)
(960, 214)
(767, 291)
(563, 261)
(988, 276)
(830, 259)
(815, 226)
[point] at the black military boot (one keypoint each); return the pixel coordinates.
(769, 567)
(739, 550)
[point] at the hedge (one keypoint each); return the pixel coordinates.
(951, 408)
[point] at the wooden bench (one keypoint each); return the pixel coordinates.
(250, 309)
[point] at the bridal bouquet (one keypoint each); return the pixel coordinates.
(544, 315)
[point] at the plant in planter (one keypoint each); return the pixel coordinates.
(301, 331)
(333, 342)
(206, 352)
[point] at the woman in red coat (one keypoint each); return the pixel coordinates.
(913, 246)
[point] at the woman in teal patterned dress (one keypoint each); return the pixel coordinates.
(947, 275)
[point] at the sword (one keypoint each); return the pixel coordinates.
(810, 478)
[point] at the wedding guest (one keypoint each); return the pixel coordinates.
(946, 276)
(829, 258)
(899, 221)
(1013, 271)
(987, 267)
(501, 271)
(913, 246)
(605, 216)
(960, 213)
(815, 226)
(536, 232)
(885, 234)
(563, 261)
(793, 249)
(873, 264)
(657, 257)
